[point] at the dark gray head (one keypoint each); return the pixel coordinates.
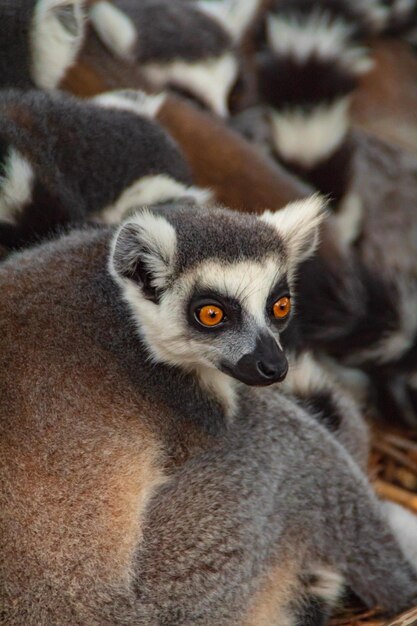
(210, 289)
(39, 41)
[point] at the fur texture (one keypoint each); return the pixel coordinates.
(314, 60)
(119, 508)
(162, 255)
(160, 37)
(39, 41)
(96, 159)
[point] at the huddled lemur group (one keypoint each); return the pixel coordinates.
(181, 382)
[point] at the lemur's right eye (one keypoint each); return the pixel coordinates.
(281, 308)
(210, 315)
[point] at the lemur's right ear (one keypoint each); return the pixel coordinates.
(298, 224)
(57, 33)
(143, 253)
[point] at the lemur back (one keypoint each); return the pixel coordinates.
(64, 161)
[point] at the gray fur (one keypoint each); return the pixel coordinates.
(168, 31)
(83, 157)
(274, 488)
(228, 237)
(15, 19)
(313, 387)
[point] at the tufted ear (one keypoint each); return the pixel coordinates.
(57, 33)
(115, 29)
(298, 224)
(143, 252)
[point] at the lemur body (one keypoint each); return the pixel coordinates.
(64, 161)
(160, 36)
(151, 487)
(39, 41)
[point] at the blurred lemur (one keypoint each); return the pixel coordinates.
(64, 160)
(157, 484)
(40, 40)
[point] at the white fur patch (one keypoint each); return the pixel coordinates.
(220, 385)
(308, 138)
(246, 281)
(298, 224)
(234, 15)
(309, 374)
(375, 13)
(150, 190)
(15, 186)
(306, 376)
(348, 219)
(328, 586)
(153, 234)
(54, 48)
(320, 36)
(115, 29)
(404, 526)
(210, 80)
(133, 100)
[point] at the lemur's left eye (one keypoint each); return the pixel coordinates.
(281, 308)
(210, 315)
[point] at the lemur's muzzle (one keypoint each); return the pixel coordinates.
(266, 365)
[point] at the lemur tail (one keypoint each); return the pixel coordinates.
(400, 19)
(315, 58)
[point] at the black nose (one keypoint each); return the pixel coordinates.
(273, 370)
(267, 364)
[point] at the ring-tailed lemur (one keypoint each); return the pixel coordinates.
(153, 486)
(188, 46)
(370, 288)
(39, 41)
(65, 160)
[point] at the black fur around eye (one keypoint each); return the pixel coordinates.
(206, 308)
(279, 294)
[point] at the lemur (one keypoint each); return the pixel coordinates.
(189, 46)
(312, 61)
(371, 292)
(65, 160)
(157, 484)
(39, 41)
(245, 180)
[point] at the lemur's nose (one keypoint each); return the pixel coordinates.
(267, 364)
(273, 370)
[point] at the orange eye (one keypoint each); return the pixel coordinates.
(281, 308)
(210, 315)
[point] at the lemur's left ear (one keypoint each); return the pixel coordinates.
(57, 33)
(298, 224)
(143, 252)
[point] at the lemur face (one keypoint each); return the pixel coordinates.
(212, 290)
